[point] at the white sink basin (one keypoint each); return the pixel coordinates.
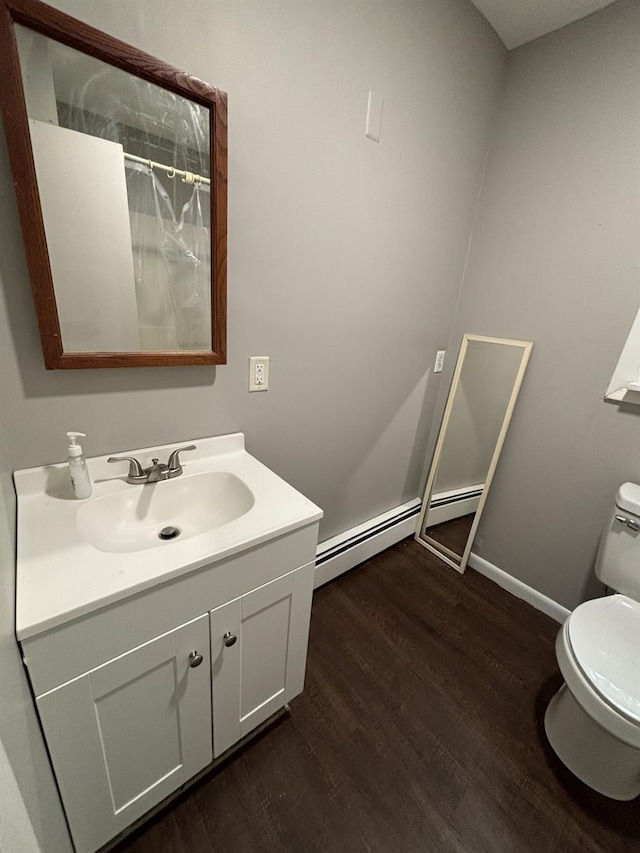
(75, 557)
(132, 520)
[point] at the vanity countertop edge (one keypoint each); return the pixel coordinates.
(59, 580)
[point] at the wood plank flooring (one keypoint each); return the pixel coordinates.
(453, 534)
(419, 731)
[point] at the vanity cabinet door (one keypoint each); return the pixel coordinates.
(128, 733)
(258, 654)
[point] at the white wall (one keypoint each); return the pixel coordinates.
(30, 813)
(345, 256)
(554, 260)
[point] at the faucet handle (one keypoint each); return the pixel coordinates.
(135, 468)
(175, 468)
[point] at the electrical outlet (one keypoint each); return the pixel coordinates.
(259, 373)
(437, 368)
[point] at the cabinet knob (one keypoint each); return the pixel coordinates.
(195, 659)
(229, 639)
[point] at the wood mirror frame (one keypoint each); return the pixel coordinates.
(73, 33)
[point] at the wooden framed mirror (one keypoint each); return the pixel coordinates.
(120, 169)
(483, 394)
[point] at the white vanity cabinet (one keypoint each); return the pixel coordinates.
(258, 654)
(130, 712)
(125, 735)
(151, 658)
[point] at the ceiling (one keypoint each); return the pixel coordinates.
(520, 21)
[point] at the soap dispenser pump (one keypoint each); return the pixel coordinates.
(78, 471)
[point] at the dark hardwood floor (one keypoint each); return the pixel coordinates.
(453, 534)
(419, 731)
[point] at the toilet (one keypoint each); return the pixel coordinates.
(593, 721)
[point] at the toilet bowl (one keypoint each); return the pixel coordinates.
(593, 721)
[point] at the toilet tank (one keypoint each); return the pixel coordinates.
(618, 561)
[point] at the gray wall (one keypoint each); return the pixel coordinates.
(554, 259)
(345, 256)
(345, 259)
(30, 814)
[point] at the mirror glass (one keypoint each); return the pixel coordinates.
(123, 174)
(483, 392)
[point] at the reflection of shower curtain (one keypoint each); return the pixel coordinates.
(171, 253)
(171, 259)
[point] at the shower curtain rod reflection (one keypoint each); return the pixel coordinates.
(187, 177)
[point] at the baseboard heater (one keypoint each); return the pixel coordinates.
(349, 549)
(456, 495)
(354, 546)
(445, 506)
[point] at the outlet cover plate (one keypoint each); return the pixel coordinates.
(259, 373)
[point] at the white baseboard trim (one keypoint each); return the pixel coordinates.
(338, 555)
(347, 550)
(519, 589)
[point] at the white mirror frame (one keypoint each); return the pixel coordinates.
(420, 537)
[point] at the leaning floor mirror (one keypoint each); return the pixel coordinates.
(483, 394)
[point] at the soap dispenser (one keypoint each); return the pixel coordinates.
(80, 482)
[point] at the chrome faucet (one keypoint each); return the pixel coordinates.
(157, 471)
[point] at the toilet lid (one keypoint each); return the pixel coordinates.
(605, 638)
